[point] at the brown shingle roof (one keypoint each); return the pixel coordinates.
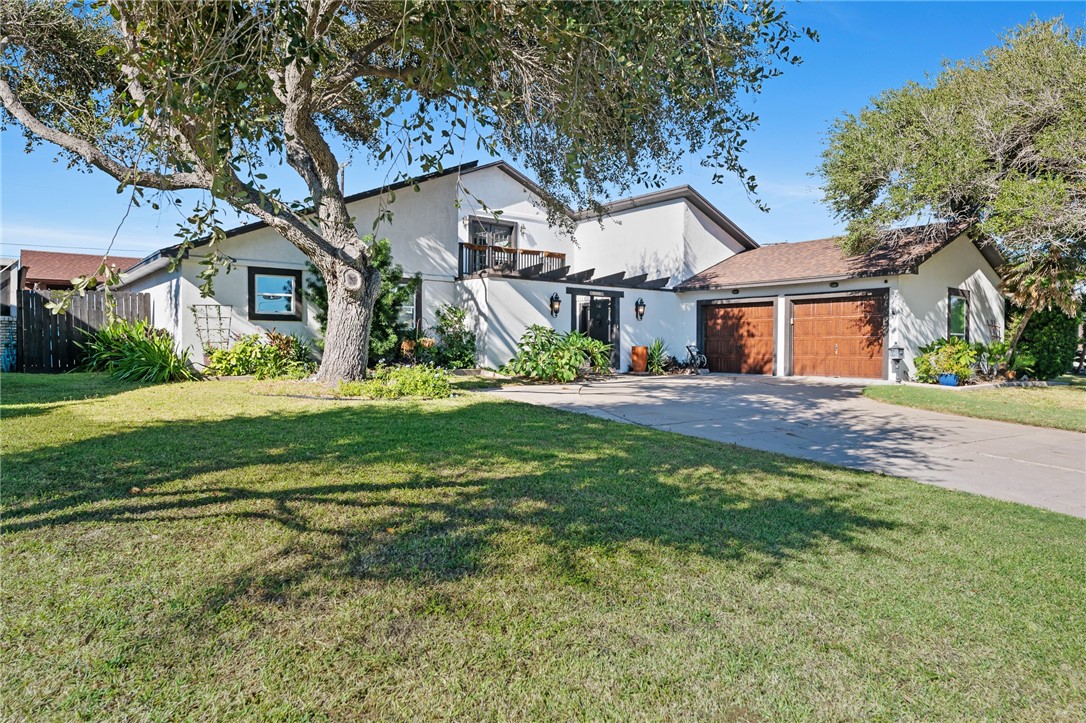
(56, 268)
(823, 258)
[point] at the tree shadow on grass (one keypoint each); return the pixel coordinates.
(428, 494)
(25, 395)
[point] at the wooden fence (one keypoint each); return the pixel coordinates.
(46, 342)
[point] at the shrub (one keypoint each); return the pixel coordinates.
(1048, 344)
(543, 353)
(420, 381)
(273, 356)
(945, 356)
(991, 358)
(658, 357)
(454, 346)
(136, 351)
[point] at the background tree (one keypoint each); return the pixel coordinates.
(386, 330)
(172, 95)
(998, 142)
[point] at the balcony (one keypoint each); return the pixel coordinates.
(476, 258)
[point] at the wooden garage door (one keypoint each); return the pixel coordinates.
(739, 338)
(838, 337)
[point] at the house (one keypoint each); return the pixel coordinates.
(786, 309)
(52, 270)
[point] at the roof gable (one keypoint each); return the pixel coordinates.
(823, 259)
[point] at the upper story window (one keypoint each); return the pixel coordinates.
(957, 314)
(275, 294)
(492, 233)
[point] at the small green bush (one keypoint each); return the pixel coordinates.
(272, 356)
(455, 347)
(945, 356)
(419, 381)
(657, 356)
(1048, 344)
(546, 354)
(136, 351)
(991, 358)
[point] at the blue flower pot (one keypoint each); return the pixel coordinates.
(948, 380)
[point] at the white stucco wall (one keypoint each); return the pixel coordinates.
(499, 191)
(423, 229)
(922, 316)
(671, 239)
(502, 309)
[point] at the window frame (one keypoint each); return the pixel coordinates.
(484, 222)
(416, 305)
(953, 293)
(294, 274)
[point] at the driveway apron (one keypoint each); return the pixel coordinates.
(831, 421)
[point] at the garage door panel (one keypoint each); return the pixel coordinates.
(739, 338)
(838, 337)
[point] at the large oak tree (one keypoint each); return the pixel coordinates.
(592, 97)
(998, 142)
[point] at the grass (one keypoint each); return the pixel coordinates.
(208, 551)
(1058, 407)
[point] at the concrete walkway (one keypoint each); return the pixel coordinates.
(830, 421)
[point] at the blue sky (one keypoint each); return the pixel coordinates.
(865, 47)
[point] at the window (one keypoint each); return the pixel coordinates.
(957, 314)
(492, 233)
(275, 294)
(409, 314)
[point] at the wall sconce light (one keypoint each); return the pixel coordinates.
(556, 304)
(639, 309)
(523, 228)
(834, 284)
(735, 291)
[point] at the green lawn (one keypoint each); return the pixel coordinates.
(207, 551)
(1060, 407)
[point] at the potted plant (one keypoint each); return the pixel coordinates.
(951, 362)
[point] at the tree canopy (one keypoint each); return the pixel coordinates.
(592, 97)
(999, 142)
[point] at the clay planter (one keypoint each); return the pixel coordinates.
(639, 359)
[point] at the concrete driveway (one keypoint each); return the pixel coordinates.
(830, 421)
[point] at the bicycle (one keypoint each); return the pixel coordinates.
(694, 360)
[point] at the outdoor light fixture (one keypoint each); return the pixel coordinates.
(639, 309)
(735, 291)
(834, 284)
(556, 304)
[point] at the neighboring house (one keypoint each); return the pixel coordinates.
(785, 309)
(50, 270)
(9, 284)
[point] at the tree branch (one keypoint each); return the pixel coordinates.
(95, 156)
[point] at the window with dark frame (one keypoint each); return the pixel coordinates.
(493, 233)
(957, 314)
(410, 313)
(275, 294)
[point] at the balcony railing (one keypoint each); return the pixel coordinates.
(505, 259)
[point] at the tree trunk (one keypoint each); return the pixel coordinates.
(1018, 334)
(350, 314)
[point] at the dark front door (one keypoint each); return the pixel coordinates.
(599, 319)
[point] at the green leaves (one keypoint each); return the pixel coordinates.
(546, 354)
(999, 141)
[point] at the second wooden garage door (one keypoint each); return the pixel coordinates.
(838, 337)
(739, 338)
